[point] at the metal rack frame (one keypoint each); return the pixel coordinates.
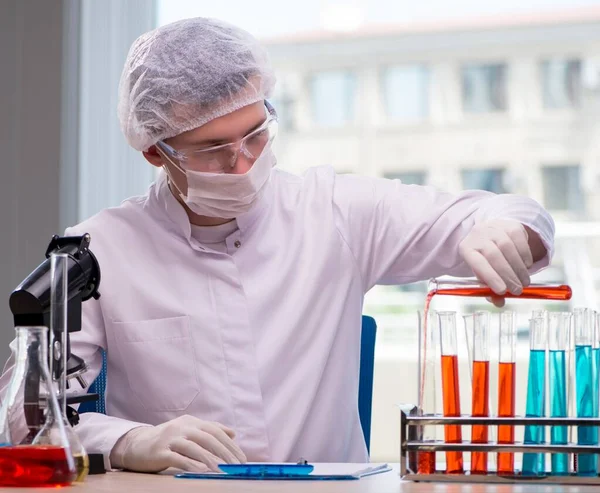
(411, 423)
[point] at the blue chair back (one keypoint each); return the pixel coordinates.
(365, 383)
(365, 386)
(97, 387)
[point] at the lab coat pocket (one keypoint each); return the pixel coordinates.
(159, 361)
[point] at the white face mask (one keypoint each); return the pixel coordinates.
(227, 195)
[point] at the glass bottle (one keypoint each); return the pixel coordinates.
(31, 409)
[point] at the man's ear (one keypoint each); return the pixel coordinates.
(153, 157)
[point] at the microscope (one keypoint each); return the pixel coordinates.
(30, 305)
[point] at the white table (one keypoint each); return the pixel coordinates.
(390, 482)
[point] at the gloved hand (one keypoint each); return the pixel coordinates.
(186, 443)
(498, 252)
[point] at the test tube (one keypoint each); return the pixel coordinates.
(427, 394)
(480, 395)
(585, 382)
(472, 287)
(507, 348)
(558, 342)
(450, 388)
(596, 351)
(595, 359)
(534, 463)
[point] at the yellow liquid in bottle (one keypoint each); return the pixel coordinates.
(82, 466)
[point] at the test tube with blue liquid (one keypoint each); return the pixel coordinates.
(596, 369)
(586, 388)
(558, 342)
(596, 360)
(534, 463)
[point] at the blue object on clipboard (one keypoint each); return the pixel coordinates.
(278, 472)
(267, 469)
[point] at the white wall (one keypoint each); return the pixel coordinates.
(63, 156)
(31, 34)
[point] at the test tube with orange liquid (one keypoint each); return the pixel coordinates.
(507, 347)
(473, 288)
(480, 395)
(450, 388)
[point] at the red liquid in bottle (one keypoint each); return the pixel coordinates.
(34, 465)
(480, 409)
(506, 409)
(451, 397)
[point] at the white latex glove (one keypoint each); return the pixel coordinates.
(186, 443)
(498, 252)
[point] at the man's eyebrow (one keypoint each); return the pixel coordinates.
(215, 142)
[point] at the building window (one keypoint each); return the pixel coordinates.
(406, 93)
(562, 188)
(408, 177)
(491, 180)
(484, 88)
(332, 98)
(561, 83)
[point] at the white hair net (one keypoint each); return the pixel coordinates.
(185, 74)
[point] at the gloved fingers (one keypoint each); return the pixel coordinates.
(498, 262)
(187, 448)
(208, 442)
(483, 270)
(498, 301)
(518, 234)
(512, 255)
(218, 432)
(184, 463)
(228, 431)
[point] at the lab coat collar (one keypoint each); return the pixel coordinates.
(161, 198)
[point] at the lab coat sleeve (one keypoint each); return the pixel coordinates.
(98, 432)
(406, 233)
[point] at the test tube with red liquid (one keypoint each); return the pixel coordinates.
(480, 394)
(427, 394)
(507, 346)
(450, 388)
(473, 288)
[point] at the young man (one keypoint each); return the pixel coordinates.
(232, 292)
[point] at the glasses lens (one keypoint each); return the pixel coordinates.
(255, 143)
(211, 161)
(222, 158)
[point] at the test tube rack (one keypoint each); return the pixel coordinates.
(411, 423)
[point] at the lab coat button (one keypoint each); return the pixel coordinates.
(237, 243)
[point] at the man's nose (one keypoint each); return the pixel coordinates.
(243, 162)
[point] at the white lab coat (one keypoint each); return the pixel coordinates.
(264, 337)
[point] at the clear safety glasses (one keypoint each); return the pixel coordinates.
(222, 158)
